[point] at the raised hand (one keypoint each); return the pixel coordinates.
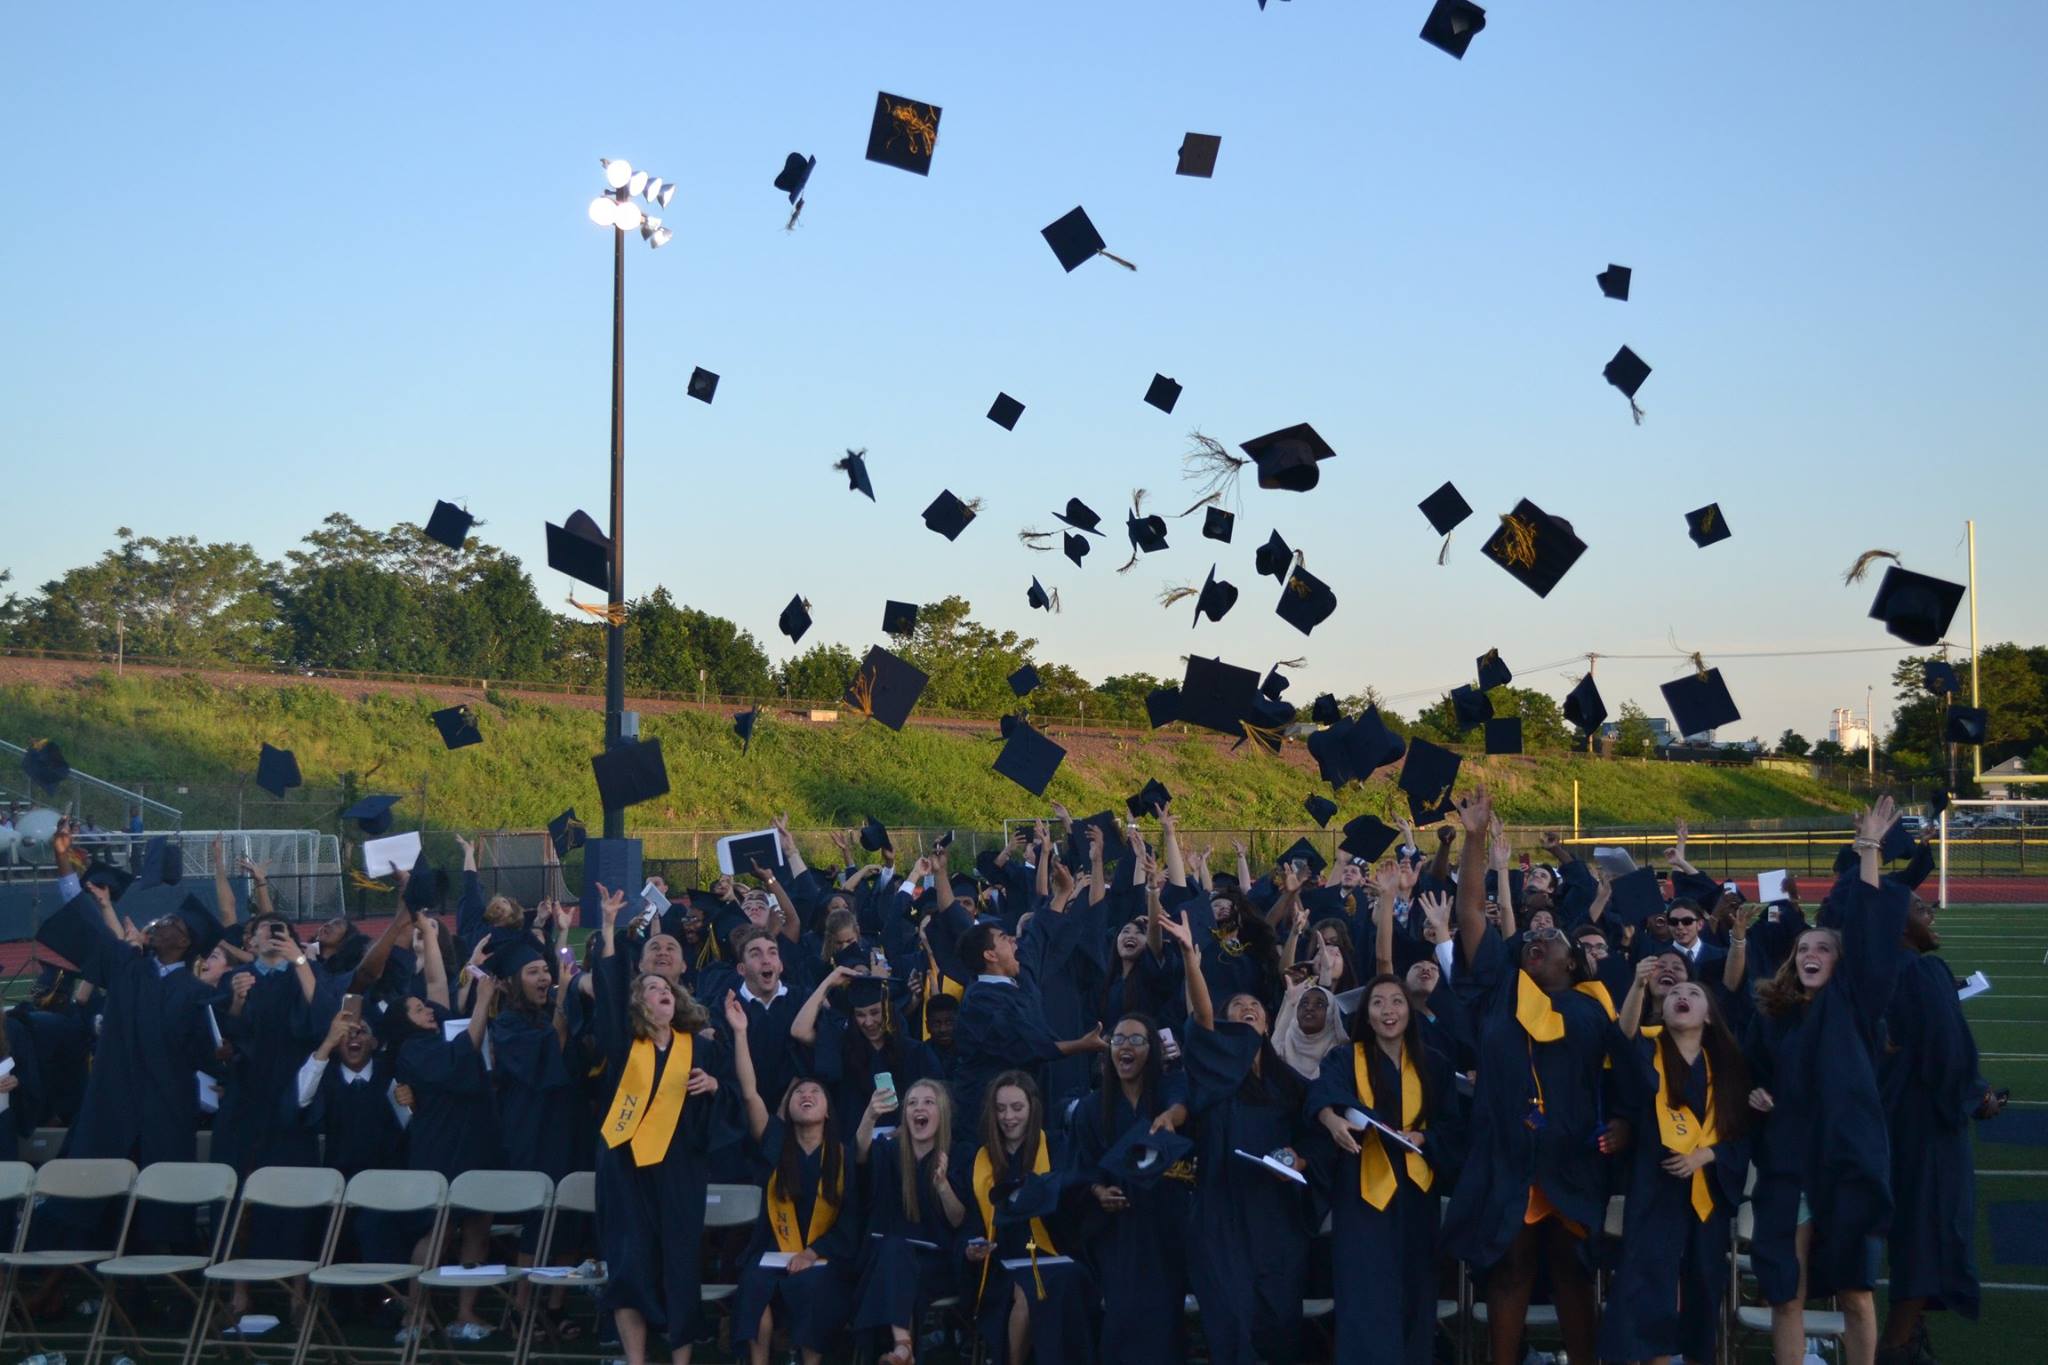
(1475, 810)
(1873, 824)
(735, 1013)
(1436, 914)
(1177, 929)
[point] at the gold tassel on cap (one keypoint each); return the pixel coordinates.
(1863, 563)
(1217, 496)
(363, 883)
(1035, 539)
(1518, 547)
(1175, 592)
(612, 613)
(1210, 464)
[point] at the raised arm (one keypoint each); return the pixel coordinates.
(1475, 813)
(371, 968)
(432, 968)
(743, 1066)
(259, 890)
(609, 903)
(1500, 860)
(1383, 934)
(790, 852)
(1440, 862)
(1043, 838)
(480, 1012)
(1200, 1008)
(1674, 857)
(1630, 1017)
(1735, 971)
(1169, 835)
(804, 1028)
(1155, 914)
(1098, 882)
(223, 892)
(786, 925)
(1244, 866)
(1871, 827)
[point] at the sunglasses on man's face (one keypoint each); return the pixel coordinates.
(1680, 921)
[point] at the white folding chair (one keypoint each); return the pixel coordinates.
(379, 1192)
(181, 1184)
(85, 1180)
(509, 1195)
(728, 1206)
(300, 1189)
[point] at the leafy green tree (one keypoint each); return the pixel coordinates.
(493, 624)
(176, 597)
(821, 673)
(1121, 699)
(2014, 693)
(1829, 751)
(356, 616)
(1792, 744)
(1633, 737)
(1063, 692)
(968, 663)
(1543, 727)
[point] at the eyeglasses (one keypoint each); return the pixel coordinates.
(1129, 1040)
(1543, 935)
(1679, 921)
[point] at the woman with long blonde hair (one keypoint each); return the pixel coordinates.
(914, 1213)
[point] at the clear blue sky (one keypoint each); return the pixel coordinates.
(264, 262)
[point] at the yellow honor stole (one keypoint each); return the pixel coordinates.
(985, 1198)
(1376, 1182)
(645, 1114)
(1682, 1132)
(1596, 991)
(936, 982)
(782, 1211)
(1534, 1012)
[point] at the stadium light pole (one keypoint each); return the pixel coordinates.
(616, 210)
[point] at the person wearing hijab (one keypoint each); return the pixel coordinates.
(1306, 1029)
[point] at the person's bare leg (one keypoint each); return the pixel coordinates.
(1788, 1320)
(1859, 1331)
(1020, 1327)
(1508, 1286)
(681, 1355)
(1578, 1316)
(476, 1242)
(632, 1335)
(901, 1347)
(1900, 1321)
(764, 1337)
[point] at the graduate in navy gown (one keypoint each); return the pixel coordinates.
(1822, 1198)
(1932, 1090)
(667, 1111)
(1384, 1197)
(850, 1050)
(914, 1214)
(1534, 1183)
(810, 1220)
(538, 1104)
(22, 1085)
(1686, 1091)
(1248, 1258)
(1010, 1181)
(771, 1009)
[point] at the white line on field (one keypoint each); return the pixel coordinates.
(1981, 1174)
(2015, 1056)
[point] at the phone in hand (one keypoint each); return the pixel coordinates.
(885, 1087)
(352, 1006)
(1168, 1045)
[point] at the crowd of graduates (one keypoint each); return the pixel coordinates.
(1089, 1080)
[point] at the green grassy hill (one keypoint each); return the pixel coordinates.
(166, 731)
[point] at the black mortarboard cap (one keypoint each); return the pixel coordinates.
(1217, 696)
(1504, 735)
(1707, 526)
(874, 835)
(1080, 516)
(73, 929)
(1217, 524)
(1073, 239)
(1035, 1197)
(948, 515)
(1215, 600)
(899, 618)
(1148, 800)
(1038, 598)
(1163, 393)
(1966, 725)
(44, 763)
(424, 885)
(1614, 281)
(1273, 557)
(1427, 778)
(1939, 677)
(1162, 706)
(886, 688)
(1301, 850)
(1198, 154)
(1024, 681)
(855, 465)
(1627, 373)
(1914, 606)
(163, 863)
(1492, 671)
(1138, 1159)
(1536, 548)
(510, 960)
(795, 618)
(1635, 896)
(1938, 802)
(1029, 759)
(1445, 508)
(1332, 751)
(1075, 546)
(277, 770)
(1274, 684)
(457, 725)
(1700, 702)
(1452, 24)
(1306, 602)
(116, 880)
(1288, 458)
(865, 992)
(566, 832)
(1320, 809)
(1367, 837)
(629, 773)
(1324, 710)
(743, 728)
(1583, 707)
(703, 384)
(904, 133)
(796, 173)
(1470, 707)
(202, 926)
(449, 524)
(1147, 533)
(372, 814)
(1005, 411)
(578, 549)
(1373, 744)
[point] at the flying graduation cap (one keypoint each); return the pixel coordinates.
(743, 727)
(899, 618)
(1707, 526)
(1700, 702)
(1939, 677)
(1286, 460)
(795, 618)
(1218, 524)
(449, 525)
(904, 133)
(566, 832)
(1028, 758)
(630, 772)
(1214, 599)
(44, 764)
(1445, 508)
(1273, 558)
(1147, 533)
(886, 688)
(1504, 735)
(796, 173)
(1469, 707)
(1627, 373)
(1451, 26)
(1492, 672)
(1024, 681)
(1081, 517)
(855, 467)
(1427, 778)
(949, 515)
(1075, 241)
(1583, 707)
(277, 771)
(1162, 393)
(1966, 725)
(1076, 547)
(1320, 808)
(458, 728)
(1535, 548)
(1198, 150)
(372, 814)
(703, 384)
(1041, 600)
(1005, 411)
(1306, 602)
(579, 549)
(1614, 282)
(1915, 607)
(1367, 837)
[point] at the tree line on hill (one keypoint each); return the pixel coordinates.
(353, 598)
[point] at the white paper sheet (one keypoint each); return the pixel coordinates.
(1278, 1168)
(776, 1260)
(651, 899)
(1615, 860)
(725, 848)
(393, 853)
(927, 1246)
(471, 1272)
(6, 1069)
(1358, 1118)
(1977, 985)
(209, 1093)
(1023, 1263)
(213, 1023)
(1770, 886)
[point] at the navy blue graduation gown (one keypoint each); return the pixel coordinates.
(1248, 1259)
(1511, 1150)
(454, 1125)
(1825, 1137)
(814, 1304)
(363, 1133)
(1229, 969)
(1063, 1329)
(538, 1109)
(1000, 1027)
(259, 1122)
(61, 1042)
(898, 1278)
(1673, 1270)
(1931, 1089)
(1066, 955)
(1384, 1272)
(847, 1063)
(1140, 1255)
(25, 1103)
(1156, 987)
